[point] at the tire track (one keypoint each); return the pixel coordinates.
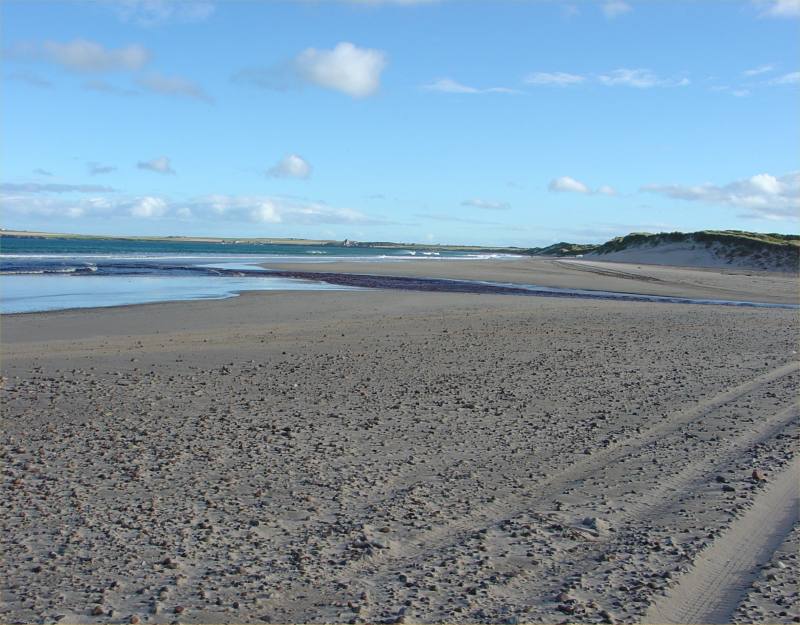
(658, 501)
(443, 534)
(591, 463)
(711, 591)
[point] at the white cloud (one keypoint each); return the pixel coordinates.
(157, 12)
(486, 204)
(347, 68)
(34, 187)
(739, 92)
(290, 166)
(779, 8)
(149, 207)
(568, 184)
(787, 79)
(211, 209)
(259, 209)
(160, 165)
(49, 206)
(615, 8)
(173, 85)
(640, 79)
(757, 71)
(765, 195)
(560, 79)
(81, 55)
(448, 85)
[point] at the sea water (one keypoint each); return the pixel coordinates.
(39, 274)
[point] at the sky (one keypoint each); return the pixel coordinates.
(495, 123)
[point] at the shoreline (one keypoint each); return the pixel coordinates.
(589, 280)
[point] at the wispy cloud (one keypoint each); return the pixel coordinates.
(559, 79)
(568, 184)
(34, 187)
(97, 169)
(493, 205)
(81, 55)
(277, 77)
(615, 8)
(765, 196)
(757, 71)
(779, 8)
(43, 172)
(290, 166)
(160, 165)
(622, 77)
(101, 86)
(173, 86)
(739, 92)
(639, 79)
(29, 78)
(448, 85)
(787, 79)
(158, 12)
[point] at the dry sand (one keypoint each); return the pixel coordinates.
(386, 456)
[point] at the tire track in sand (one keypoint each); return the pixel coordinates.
(441, 535)
(712, 589)
(582, 468)
(657, 502)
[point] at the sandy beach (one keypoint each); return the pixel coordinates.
(380, 456)
(692, 282)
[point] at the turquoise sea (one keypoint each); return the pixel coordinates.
(38, 274)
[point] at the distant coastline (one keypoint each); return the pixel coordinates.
(269, 241)
(706, 248)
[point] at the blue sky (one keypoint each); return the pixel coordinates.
(498, 123)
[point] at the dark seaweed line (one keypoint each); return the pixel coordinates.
(464, 286)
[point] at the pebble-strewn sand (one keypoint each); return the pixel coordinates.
(398, 457)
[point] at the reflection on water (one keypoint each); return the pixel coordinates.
(52, 292)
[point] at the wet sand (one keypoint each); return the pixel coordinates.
(380, 456)
(691, 282)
